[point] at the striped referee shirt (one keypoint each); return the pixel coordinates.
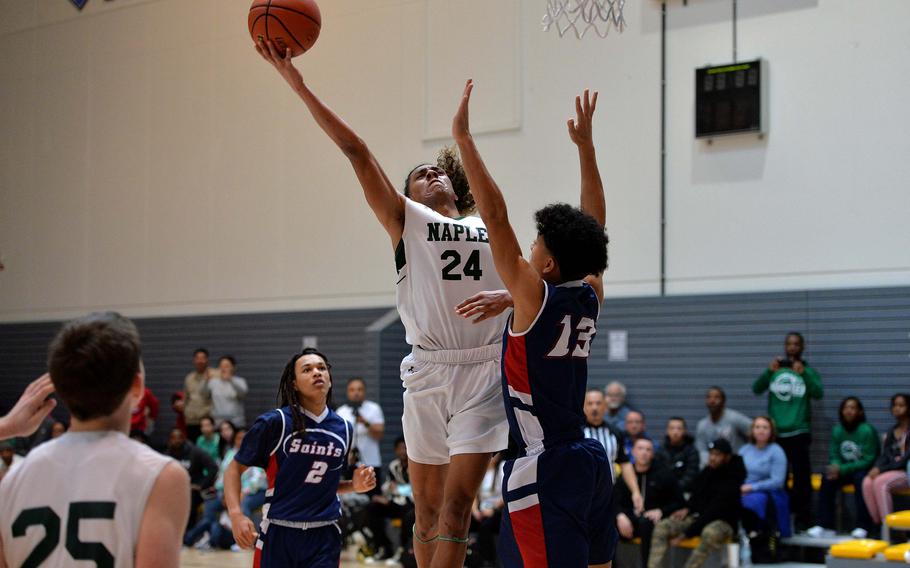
(611, 439)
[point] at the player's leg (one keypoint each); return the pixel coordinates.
(428, 488)
(476, 430)
(602, 533)
(424, 422)
(466, 471)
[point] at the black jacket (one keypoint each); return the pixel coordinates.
(893, 456)
(658, 487)
(716, 496)
(683, 460)
(202, 468)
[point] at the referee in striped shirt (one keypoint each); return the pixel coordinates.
(612, 440)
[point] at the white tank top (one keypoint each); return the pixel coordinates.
(78, 498)
(442, 262)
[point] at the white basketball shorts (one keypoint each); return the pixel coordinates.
(453, 403)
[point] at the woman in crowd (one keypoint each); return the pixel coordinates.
(766, 474)
(890, 470)
(253, 485)
(228, 391)
(226, 431)
(854, 448)
(209, 441)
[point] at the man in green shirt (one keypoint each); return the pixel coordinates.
(791, 383)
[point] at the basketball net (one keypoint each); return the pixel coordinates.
(581, 16)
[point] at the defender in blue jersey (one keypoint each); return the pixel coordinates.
(303, 447)
(558, 491)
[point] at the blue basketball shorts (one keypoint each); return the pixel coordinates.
(286, 547)
(558, 508)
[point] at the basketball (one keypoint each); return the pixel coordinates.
(293, 24)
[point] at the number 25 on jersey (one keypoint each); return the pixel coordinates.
(582, 346)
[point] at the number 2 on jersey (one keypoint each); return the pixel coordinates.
(317, 472)
(586, 333)
(471, 267)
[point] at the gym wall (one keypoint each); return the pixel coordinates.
(152, 163)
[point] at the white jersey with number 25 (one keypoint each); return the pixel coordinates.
(78, 500)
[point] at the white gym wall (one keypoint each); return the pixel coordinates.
(150, 161)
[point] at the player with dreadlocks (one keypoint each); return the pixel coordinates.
(303, 447)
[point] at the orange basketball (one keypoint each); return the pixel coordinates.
(291, 24)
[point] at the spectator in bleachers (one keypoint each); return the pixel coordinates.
(198, 464)
(791, 383)
(58, 429)
(765, 501)
(8, 457)
(145, 412)
(712, 511)
(612, 439)
(209, 441)
(721, 422)
(855, 446)
(178, 404)
(228, 391)
(890, 470)
(253, 484)
(486, 514)
(227, 430)
(662, 497)
(368, 421)
(616, 405)
(395, 502)
(679, 453)
(635, 429)
(197, 396)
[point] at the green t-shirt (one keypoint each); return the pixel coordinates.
(210, 446)
(854, 451)
(788, 397)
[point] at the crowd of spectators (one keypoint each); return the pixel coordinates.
(732, 472)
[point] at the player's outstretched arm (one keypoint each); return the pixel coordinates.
(243, 528)
(592, 199)
(387, 204)
(166, 512)
(520, 278)
(30, 410)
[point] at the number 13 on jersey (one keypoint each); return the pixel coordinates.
(586, 331)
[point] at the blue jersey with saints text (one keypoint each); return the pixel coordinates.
(545, 369)
(303, 469)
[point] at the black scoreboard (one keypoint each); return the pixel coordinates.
(729, 99)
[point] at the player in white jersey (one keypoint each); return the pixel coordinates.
(93, 494)
(454, 416)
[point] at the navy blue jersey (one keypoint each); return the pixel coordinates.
(303, 470)
(545, 369)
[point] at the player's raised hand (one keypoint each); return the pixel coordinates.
(486, 304)
(364, 479)
(580, 129)
(33, 406)
(281, 62)
(461, 127)
(244, 531)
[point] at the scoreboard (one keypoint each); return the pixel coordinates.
(731, 99)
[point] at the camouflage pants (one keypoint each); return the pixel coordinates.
(713, 537)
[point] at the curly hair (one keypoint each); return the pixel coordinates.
(287, 389)
(450, 162)
(576, 240)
